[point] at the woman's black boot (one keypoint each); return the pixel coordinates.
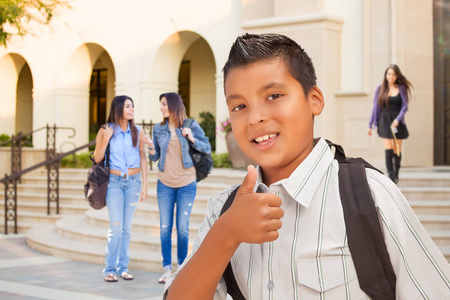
(397, 161)
(389, 153)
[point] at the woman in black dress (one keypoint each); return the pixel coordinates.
(388, 115)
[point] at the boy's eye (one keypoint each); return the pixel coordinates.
(238, 107)
(274, 96)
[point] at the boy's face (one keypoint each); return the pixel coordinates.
(271, 118)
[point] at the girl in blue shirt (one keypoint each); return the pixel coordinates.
(125, 187)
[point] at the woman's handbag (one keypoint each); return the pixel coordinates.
(97, 182)
(203, 162)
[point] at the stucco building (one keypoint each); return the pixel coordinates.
(66, 73)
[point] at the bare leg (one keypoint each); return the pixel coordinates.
(399, 142)
(388, 144)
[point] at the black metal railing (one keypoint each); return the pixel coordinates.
(17, 172)
(52, 164)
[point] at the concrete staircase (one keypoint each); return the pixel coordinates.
(79, 233)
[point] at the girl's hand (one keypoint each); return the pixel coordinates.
(395, 123)
(187, 132)
(147, 141)
(369, 131)
(107, 133)
(143, 195)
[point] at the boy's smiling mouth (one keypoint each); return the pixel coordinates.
(265, 139)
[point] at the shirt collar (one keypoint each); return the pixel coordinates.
(304, 181)
(118, 130)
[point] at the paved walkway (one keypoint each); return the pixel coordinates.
(28, 274)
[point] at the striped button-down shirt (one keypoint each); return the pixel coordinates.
(311, 258)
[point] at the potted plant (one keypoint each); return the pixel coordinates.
(237, 157)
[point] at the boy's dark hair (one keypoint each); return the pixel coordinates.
(250, 48)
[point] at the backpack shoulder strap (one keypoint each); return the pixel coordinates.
(232, 286)
(369, 254)
(187, 123)
(106, 158)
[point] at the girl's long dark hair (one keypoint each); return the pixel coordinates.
(383, 98)
(116, 115)
(176, 108)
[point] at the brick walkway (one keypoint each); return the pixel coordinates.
(28, 274)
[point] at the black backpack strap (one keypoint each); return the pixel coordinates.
(106, 158)
(232, 286)
(187, 123)
(107, 150)
(369, 254)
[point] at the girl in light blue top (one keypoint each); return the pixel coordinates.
(125, 187)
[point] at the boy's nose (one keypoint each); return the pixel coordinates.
(256, 116)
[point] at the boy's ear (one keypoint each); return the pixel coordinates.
(316, 101)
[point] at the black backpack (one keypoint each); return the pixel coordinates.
(97, 181)
(203, 162)
(375, 273)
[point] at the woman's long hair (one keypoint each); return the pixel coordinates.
(116, 115)
(176, 108)
(383, 98)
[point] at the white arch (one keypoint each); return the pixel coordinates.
(71, 94)
(11, 65)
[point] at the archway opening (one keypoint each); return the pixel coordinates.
(24, 102)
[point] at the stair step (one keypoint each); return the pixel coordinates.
(428, 193)
(200, 202)
(27, 217)
(432, 178)
(47, 240)
(440, 237)
(435, 222)
(204, 189)
(100, 218)
(425, 207)
(77, 228)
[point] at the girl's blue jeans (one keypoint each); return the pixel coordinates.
(183, 198)
(122, 198)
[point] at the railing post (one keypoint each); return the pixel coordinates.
(16, 155)
(10, 203)
(148, 130)
(52, 170)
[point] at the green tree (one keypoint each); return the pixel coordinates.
(16, 14)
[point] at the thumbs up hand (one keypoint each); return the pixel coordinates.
(254, 218)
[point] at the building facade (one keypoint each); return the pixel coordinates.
(67, 73)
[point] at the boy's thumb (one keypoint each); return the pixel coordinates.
(249, 181)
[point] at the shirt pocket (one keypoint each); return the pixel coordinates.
(162, 134)
(327, 273)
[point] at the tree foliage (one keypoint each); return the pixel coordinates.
(15, 15)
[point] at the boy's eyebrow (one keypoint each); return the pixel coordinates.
(271, 85)
(261, 89)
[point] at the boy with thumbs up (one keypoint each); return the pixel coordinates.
(285, 234)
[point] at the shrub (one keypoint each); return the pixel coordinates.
(208, 124)
(76, 161)
(4, 138)
(221, 160)
(26, 141)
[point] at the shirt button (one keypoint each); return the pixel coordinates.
(270, 285)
